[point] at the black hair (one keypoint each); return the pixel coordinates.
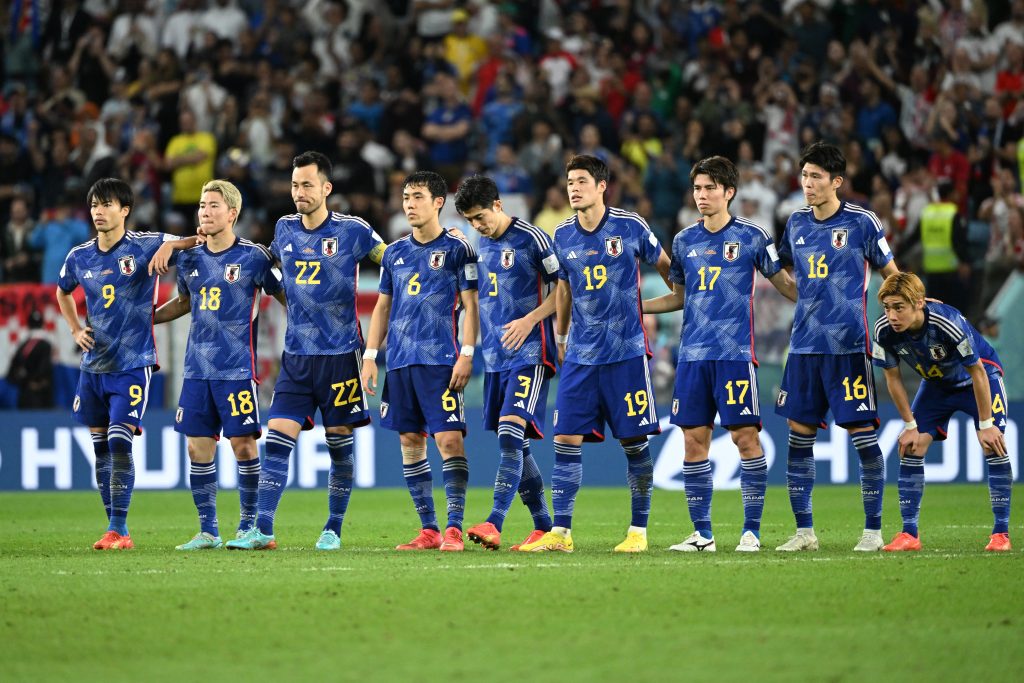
(477, 190)
(111, 190)
(435, 184)
(721, 171)
(826, 156)
(322, 163)
(591, 164)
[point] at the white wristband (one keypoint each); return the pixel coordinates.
(985, 424)
(370, 354)
(561, 339)
(467, 350)
(910, 425)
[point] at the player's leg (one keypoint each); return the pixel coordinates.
(627, 401)
(290, 410)
(753, 484)
(342, 402)
(238, 407)
(247, 463)
(802, 401)
(420, 482)
(850, 385)
(577, 413)
(90, 409)
(698, 483)
(202, 455)
(693, 411)
(531, 491)
(1000, 476)
(444, 415)
(932, 410)
(127, 394)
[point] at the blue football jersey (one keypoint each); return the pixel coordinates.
(225, 293)
(832, 261)
(603, 271)
(939, 352)
(717, 270)
(516, 272)
(424, 281)
(119, 299)
(319, 270)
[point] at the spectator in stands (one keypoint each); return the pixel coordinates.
(57, 232)
(19, 262)
(31, 368)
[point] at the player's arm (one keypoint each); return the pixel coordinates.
(374, 338)
(81, 333)
(784, 282)
(909, 435)
(173, 309)
(662, 266)
(161, 261)
(563, 313)
(989, 435)
(889, 268)
(470, 329)
(666, 303)
(517, 331)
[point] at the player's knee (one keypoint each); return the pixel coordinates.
(747, 442)
(344, 430)
(412, 440)
(801, 428)
(244, 448)
(569, 439)
(694, 447)
(450, 443)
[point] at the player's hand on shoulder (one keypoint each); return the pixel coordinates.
(460, 373)
(455, 232)
(161, 261)
(200, 236)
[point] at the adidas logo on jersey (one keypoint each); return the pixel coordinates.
(745, 411)
(862, 406)
(356, 409)
(400, 261)
(288, 247)
(692, 254)
(1002, 422)
(572, 255)
(452, 419)
(194, 273)
(800, 241)
(644, 422)
(88, 275)
(519, 404)
(248, 421)
(134, 414)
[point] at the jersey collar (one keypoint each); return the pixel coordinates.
(842, 205)
(112, 249)
(206, 248)
(604, 219)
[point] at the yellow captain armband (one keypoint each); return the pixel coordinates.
(377, 253)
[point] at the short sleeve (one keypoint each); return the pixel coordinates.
(876, 248)
(268, 276)
(385, 286)
(766, 258)
(180, 275)
(466, 262)
(677, 271)
(649, 247)
(545, 259)
(882, 356)
(67, 280)
(367, 242)
(785, 249)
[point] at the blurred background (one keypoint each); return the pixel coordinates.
(926, 99)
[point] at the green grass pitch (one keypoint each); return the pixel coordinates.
(367, 613)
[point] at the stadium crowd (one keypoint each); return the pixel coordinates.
(924, 98)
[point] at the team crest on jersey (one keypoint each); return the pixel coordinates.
(126, 264)
(232, 272)
(329, 246)
(436, 260)
(77, 404)
(508, 258)
(839, 237)
(675, 406)
(613, 246)
(179, 415)
(782, 399)
(937, 352)
(732, 251)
